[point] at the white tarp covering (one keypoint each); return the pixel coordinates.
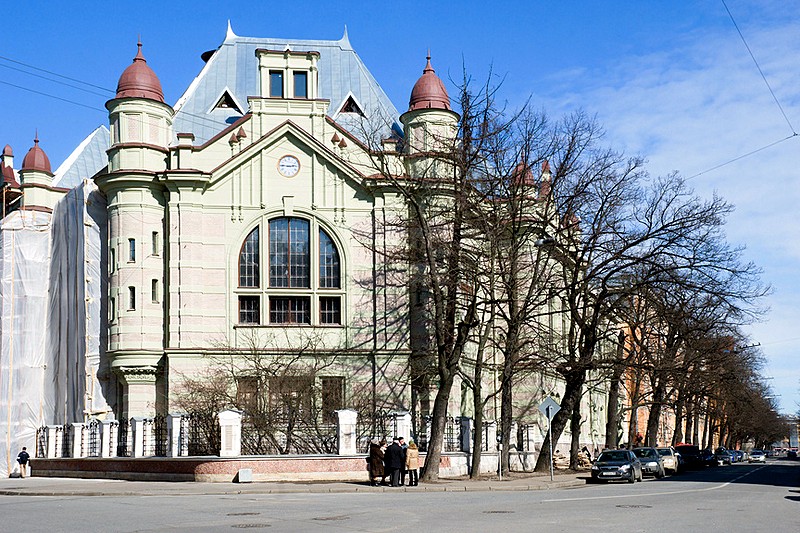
(52, 322)
(25, 241)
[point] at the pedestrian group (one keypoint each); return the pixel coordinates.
(394, 461)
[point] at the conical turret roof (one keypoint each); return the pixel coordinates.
(139, 80)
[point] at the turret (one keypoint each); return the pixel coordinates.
(430, 124)
(36, 179)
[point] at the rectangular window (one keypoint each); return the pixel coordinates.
(155, 243)
(112, 309)
(154, 291)
(332, 398)
(131, 250)
(131, 298)
(249, 309)
(330, 310)
(289, 253)
(276, 84)
(112, 261)
(247, 394)
(290, 397)
(300, 84)
(289, 310)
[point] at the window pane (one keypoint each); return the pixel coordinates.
(131, 298)
(328, 262)
(289, 310)
(155, 243)
(289, 253)
(248, 261)
(300, 85)
(131, 249)
(276, 83)
(154, 291)
(332, 398)
(330, 310)
(249, 309)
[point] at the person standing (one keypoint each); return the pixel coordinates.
(23, 459)
(376, 474)
(393, 462)
(412, 464)
(404, 446)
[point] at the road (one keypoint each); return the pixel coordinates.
(742, 497)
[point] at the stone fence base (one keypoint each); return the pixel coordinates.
(225, 470)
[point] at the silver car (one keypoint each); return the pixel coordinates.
(617, 464)
(757, 456)
(652, 464)
(670, 458)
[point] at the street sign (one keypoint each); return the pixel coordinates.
(549, 407)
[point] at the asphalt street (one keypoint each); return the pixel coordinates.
(742, 497)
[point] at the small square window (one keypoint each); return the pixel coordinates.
(300, 84)
(249, 309)
(131, 250)
(289, 310)
(275, 84)
(330, 310)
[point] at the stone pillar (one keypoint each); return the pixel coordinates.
(346, 432)
(491, 436)
(140, 390)
(512, 439)
(77, 439)
(402, 425)
(230, 431)
(465, 434)
(137, 431)
(173, 435)
(109, 444)
(52, 444)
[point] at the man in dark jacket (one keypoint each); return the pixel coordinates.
(393, 462)
(23, 459)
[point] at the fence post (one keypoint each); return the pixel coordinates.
(105, 438)
(230, 432)
(52, 447)
(77, 439)
(173, 435)
(346, 432)
(512, 439)
(402, 424)
(465, 434)
(491, 435)
(137, 432)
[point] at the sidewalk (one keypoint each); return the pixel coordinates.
(40, 486)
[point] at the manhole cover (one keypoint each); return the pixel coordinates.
(340, 517)
(249, 526)
(635, 506)
(498, 512)
(243, 514)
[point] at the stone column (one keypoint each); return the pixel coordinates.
(491, 436)
(140, 390)
(52, 444)
(230, 430)
(346, 432)
(465, 434)
(137, 431)
(77, 439)
(105, 438)
(173, 435)
(512, 439)
(402, 424)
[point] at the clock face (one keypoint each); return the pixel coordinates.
(288, 166)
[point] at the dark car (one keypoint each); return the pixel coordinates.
(791, 454)
(723, 456)
(691, 457)
(709, 459)
(617, 464)
(652, 464)
(738, 455)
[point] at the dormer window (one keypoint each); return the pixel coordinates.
(275, 84)
(300, 79)
(351, 106)
(226, 101)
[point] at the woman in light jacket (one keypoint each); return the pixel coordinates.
(412, 464)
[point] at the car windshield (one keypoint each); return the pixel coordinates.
(664, 451)
(757, 452)
(613, 456)
(645, 452)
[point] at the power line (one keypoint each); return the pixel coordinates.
(763, 77)
(56, 74)
(748, 154)
(52, 96)
(52, 80)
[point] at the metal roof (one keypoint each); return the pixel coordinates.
(85, 161)
(234, 67)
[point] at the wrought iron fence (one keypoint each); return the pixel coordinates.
(452, 435)
(380, 425)
(288, 438)
(66, 441)
(123, 440)
(41, 442)
(204, 434)
(113, 431)
(95, 430)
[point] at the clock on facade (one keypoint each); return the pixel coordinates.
(288, 166)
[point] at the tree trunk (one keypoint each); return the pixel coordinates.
(612, 407)
(572, 392)
(677, 435)
(575, 441)
(434, 453)
(653, 419)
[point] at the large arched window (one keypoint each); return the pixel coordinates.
(296, 248)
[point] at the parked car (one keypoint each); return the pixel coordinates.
(691, 457)
(791, 454)
(709, 459)
(757, 456)
(652, 464)
(670, 458)
(723, 456)
(737, 455)
(617, 464)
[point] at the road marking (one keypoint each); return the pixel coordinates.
(639, 495)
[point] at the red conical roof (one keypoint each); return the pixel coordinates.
(8, 175)
(429, 91)
(36, 159)
(139, 80)
(7, 150)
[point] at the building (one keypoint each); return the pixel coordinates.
(247, 220)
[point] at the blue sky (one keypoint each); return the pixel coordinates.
(671, 81)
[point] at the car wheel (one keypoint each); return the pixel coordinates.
(632, 479)
(660, 474)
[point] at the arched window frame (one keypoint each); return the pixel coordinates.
(321, 302)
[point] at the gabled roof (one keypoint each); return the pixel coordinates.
(234, 66)
(85, 161)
